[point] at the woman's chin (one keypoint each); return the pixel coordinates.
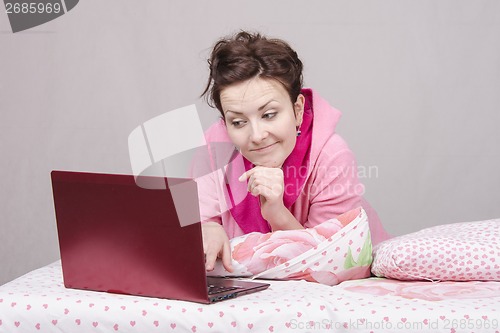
(265, 161)
(267, 164)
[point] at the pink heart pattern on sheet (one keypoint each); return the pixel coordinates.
(299, 305)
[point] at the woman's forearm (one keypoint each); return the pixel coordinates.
(282, 219)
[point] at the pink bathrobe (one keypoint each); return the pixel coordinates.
(331, 186)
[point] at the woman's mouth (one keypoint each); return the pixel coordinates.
(263, 149)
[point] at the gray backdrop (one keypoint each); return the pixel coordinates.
(417, 82)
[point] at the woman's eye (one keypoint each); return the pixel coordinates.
(237, 123)
(269, 115)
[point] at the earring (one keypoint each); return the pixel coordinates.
(298, 131)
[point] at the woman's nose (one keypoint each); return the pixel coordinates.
(258, 133)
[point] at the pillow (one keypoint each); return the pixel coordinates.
(452, 252)
(333, 251)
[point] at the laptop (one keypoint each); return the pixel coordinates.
(117, 237)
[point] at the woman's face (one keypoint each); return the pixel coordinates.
(261, 120)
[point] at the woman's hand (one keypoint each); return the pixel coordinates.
(268, 184)
(216, 244)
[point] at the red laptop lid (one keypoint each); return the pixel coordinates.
(117, 237)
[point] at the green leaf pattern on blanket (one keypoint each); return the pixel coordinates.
(365, 256)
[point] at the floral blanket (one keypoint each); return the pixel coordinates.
(334, 251)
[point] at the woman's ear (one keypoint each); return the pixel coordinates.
(298, 108)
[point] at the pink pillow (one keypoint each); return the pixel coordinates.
(451, 252)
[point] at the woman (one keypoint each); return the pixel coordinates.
(295, 171)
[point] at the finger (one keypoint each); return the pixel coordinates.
(226, 257)
(261, 179)
(256, 188)
(266, 192)
(245, 175)
(259, 190)
(210, 258)
(248, 173)
(253, 182)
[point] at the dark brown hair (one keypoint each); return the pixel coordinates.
(246, 55)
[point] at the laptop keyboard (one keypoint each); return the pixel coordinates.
(218, 289)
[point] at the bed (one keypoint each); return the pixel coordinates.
(38, 302)
(440, 279)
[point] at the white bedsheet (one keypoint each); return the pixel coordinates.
(38, 302)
